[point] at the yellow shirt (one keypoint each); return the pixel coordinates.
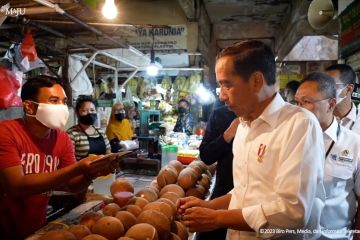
(116, 129)
(121, 130)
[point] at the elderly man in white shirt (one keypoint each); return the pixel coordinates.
(341, 172)
(278, 156)
(345, 110)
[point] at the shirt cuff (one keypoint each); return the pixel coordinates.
(254, 217)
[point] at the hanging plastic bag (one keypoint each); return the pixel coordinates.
(8, 89)
(128, 100)
(22, 63)
(82, 84)
(28, 48)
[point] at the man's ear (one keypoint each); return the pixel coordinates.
(350, 88)
(332, 104)
(257, 80)
(29, 107)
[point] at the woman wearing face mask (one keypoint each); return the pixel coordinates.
(185, 122)
(119, 127)
(87, 139)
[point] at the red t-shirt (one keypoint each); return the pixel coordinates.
(21, 217)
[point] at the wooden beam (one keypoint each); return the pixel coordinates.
(188, 6)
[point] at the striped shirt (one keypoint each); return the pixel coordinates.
(81, 142)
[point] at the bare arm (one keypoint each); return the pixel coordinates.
(230, 132)
(78, 184)
(201, 216)
(16, 184)
(217, 141)
(232, 219)
(217, 203)
(220, 202)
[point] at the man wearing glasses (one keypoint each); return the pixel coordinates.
(345, 110)
(317, 93)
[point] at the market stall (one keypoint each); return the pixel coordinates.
(135, 200)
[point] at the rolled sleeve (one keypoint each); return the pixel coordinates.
(297, 185)
(299, 180)
(254, 217)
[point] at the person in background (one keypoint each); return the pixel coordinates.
(133, 115)
(185, 122)
(290, 90)
(86, 138)
(37, 157)
(216, 147)
(119, 127)
(278, 156)
(317, 93)
(345, 110)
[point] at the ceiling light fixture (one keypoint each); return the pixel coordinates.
(152, 69)
(109, 9)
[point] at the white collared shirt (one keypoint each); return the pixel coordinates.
(341, 181)
(278, 171)
(352, 120)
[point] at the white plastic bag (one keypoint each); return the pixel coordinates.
(129, 145)
(81, 85)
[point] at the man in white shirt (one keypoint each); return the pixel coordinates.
(278, 156)
(317, 93)
(345, 110)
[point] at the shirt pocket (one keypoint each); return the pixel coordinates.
(337, 178)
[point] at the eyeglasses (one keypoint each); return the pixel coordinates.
(339, 85)
(307, 102)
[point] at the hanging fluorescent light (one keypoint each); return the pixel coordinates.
(109, 9)
(152, 69)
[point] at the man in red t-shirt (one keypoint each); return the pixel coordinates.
(37, 157)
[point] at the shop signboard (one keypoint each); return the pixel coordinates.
(350, 29)
(161, 38)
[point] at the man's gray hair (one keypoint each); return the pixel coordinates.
(326, 83)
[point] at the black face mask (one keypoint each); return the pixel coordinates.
(88, 119)
(182, 110)
(120, 116)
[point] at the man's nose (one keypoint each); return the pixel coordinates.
(222, 95)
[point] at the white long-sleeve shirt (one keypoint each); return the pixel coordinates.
(278, 172)
(341, 181)
(352, 120)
